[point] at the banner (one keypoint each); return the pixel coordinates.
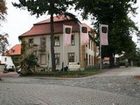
(67, 31)
(103, 34)
(84, 35)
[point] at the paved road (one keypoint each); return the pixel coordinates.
(122, 71)
(113, 87)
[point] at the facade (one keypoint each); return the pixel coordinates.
(39, 35)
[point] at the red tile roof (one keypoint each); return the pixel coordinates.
(15, 50)
(56, 19)
(43, 27)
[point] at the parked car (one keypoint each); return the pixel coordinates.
(9, 68)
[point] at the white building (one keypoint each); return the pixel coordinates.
(39, 34)
(7, 60)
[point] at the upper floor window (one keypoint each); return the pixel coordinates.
(42, 41)
(72, 40)
(84, 30)
(31, 41)
(56, 41)
(43, 44)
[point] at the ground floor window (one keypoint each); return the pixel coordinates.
(43, 59)
(89, 59)
(57, 58)
(71, 57)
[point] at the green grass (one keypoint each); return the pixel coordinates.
(67, 74)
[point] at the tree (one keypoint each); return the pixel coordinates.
(52, 7)
(28, 59)
(115, 14)
(3, 9)
(3, 38)
(2, 13)
(3, 43)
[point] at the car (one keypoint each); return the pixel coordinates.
(9, 68)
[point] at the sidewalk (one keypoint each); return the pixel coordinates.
(9, 74)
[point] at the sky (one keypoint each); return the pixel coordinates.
(19, 21)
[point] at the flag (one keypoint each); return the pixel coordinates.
(84, 35)
(67, 31)
(103, 34)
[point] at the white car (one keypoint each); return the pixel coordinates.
(9, 68)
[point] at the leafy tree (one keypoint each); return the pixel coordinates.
(115, 14)
(3, 43)
(28, 59)
(3, 38)
(3, 9)
(52, 7)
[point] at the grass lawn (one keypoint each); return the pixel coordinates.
(67, 74)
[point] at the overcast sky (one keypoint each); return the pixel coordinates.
(19, 21)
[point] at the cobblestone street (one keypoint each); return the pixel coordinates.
(112, 87)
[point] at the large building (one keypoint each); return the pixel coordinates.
(76, 53)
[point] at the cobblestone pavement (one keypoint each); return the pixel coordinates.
(113, 87)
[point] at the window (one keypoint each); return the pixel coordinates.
(71, 57)
(104, 29)
(84, 29)
(57, 58)
(86, 59)
(43, 59)
(56, 41)
(67, 30)
(43, 44)
(72, 40)
(89, 44)
(89, 59)
(31, 41)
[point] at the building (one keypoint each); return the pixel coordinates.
(11, 58)
(39, 35)
(15, 53)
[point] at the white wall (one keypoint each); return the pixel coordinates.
(63, 52)
(7, 60)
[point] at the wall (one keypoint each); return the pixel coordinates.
(7, 60)
(63, 51)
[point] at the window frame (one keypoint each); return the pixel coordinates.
(57, 57)
(57, 45)
(31, 41)
(41, 59)
(69, 55)
(73, 40)
(43, 44)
